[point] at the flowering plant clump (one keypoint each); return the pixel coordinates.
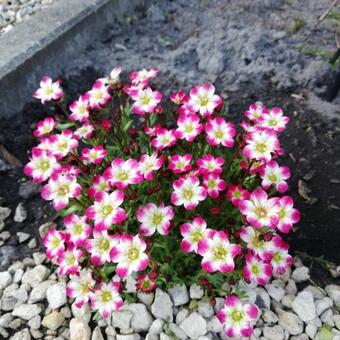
(167, 191)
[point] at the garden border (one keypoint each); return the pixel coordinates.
(43, 44)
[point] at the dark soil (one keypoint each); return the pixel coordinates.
(249, 56)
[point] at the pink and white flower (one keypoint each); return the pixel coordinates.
(286, 213)
(63, 143)
(115, 75)
(255, 112)
(106, 298)
(106, 210)
(154, 218)
(80, 286)
(255, 243)
(257, 270)
(273, 174)
(77, 229)
(237, 318)
(186, 108)
(60, 189)
(99, 184)
(179, 164)
(146, 100)
(48, 90)
(261, 145)
(122, 173)
(164, 139)
(189, 127)
(99, 95)
(143, 76)
(69, 260)
(41, 165)
(204, 100)
(218, 253)
(220, 132)
(260, 210)
(130, 255)
(193, 233)
(188, 192)
(177, 97)
(94, 155)
(44, 127)
(274, 120)
(54, 241)
(236, 194)
(148, 164)
(281, 260)
(85, 131)
(80, 109)
(214, 184)
(210, 164)
(100, 246)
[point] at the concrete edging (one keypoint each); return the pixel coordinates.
(44, 43)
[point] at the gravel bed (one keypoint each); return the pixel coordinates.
(34, 305)
(14, 11)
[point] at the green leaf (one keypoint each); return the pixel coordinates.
(326, 333)
(64, 126)
(70, 210)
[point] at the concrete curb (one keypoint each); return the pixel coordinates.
(44, 43)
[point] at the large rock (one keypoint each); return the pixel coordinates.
(20, 213)
(53, 320)
(56, 295)
(304, 307)
(35, 276)
(26, 311)
(194, 325)
(141, 318)
(323, 304)
(38, 293)
(291, 323)
(5, 279)
(333, 292)
(97, 334)
(300, 274)
(156, 327)
(196, 291)
(122, 319)
(22, 335)
(179, 295)
(162, 306)
(275, 291)
(273, 333)
(79, 330)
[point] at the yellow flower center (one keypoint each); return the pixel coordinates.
(55, 243)
(145, 100)
(273, 178)
(49, 90)
(237, 315)
(123, 176)
(189, 128)
(211, 184)
(71, 260)
(255, 269)
(62, 146)
(99, 95)
(218, 134)
(63, 190)
(261, 212)
(282, 214)
(261, 147)
(277, 258)
(44, 165)
(188, 194)
(133, 254)
(104, 244)
(78, 229)
(157, 219)
(106, 296)
(272, 122)
(203, 100)
(220, 253)
(107, 210)
(196, 236)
